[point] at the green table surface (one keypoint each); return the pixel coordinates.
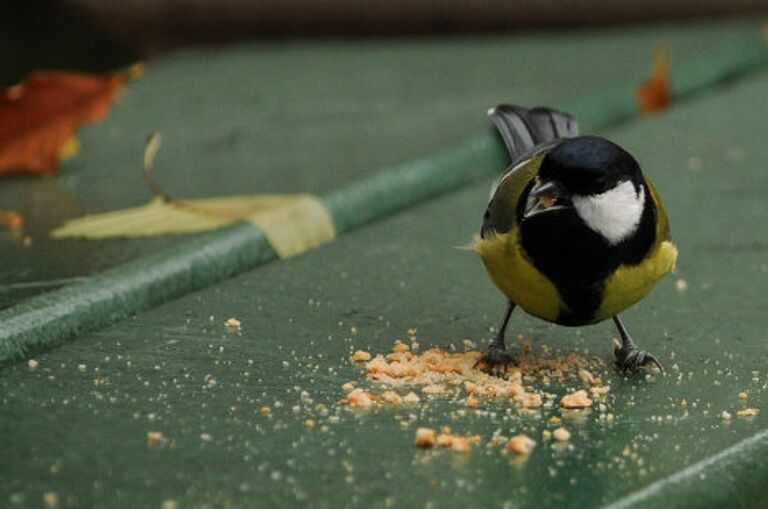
(77, 425)
(307, 117)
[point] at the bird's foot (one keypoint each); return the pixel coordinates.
(496, 361)
(632, 359)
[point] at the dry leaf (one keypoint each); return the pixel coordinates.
(39, 117)
(11, 220)
(293, 223)
(655, 95)
(159, 217)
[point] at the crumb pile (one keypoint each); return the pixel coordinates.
(437, 372)
(406, 377)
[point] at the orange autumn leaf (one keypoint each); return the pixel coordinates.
(39, 117)
(11, 220)
(654, 95)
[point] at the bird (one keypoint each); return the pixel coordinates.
(574, 232)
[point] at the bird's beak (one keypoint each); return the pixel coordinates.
(546, 197)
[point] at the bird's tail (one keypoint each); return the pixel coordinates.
(522, 128)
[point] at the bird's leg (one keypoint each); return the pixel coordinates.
(497, 357)
(628, 356)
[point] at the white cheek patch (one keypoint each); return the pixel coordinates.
(614, 214)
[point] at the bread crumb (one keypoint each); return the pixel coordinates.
(530, 399)
(681, 285)
(433, 389)
(265, 410)
(460, 444)
(155, 438)
(578, 399)
(743, 395)
(586, 376)
(359, 397)
(170, 504)
(748, 412)
(32, 363)
(555, 420)
(411, 398)
(597, 392)
(445, 439)
(391, 397)
(51, 499)
(206, 437)
(561, 435)
(425, 437)
(232, 323)
(547, 201)
(520, 444)
(349, 386)
(497, 440)
(726, 416)
(360, 356)
(309, 423)
(472, 402)
(400, 347)
(81, 368)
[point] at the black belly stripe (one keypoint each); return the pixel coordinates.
(578, 260)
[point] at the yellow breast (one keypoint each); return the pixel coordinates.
(516, 277)
(524, 285)
(629, 284)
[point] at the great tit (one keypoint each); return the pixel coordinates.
(574, 233)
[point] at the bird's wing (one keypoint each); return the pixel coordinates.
(506, 195)
(523, 129)
(662, 226)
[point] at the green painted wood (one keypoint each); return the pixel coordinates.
(40, 323)
(81, 431)
(735, 475)
(309, 117)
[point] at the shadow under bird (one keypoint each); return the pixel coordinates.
(574, 232)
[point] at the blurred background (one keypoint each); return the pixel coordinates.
(104, 34)
(274, 96)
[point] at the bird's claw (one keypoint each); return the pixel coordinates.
(496, 361)
(633, 359)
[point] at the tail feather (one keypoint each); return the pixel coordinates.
(522, 129)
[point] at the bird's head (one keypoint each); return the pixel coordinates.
(594, 180)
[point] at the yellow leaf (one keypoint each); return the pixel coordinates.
(293, 223)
